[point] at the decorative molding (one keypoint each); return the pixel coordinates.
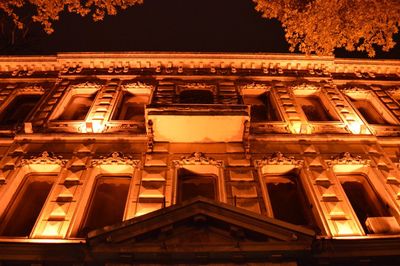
(196, 86)
(86, 85)
(45, 158)
(197, 158)
(31, 89)
(278, 158)
(306, 86)
(255, 85)
(115, 158)
(137, 85)
(394, 92)
(347, 158)
(350, 89)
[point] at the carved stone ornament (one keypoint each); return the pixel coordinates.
(197, 158)
(347, 158)
(254, 85)
(137, 85)
(362, 89)
(115, 158)
(87, 85)
(45, 158)
(197, 85)
(31, 89)
(278, 158)
(305, 86)
(395, 92)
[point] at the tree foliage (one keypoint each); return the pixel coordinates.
(320, 26)
(311, 26)
(48, 11)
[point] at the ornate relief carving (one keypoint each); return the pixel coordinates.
(278, 158)
(196, 86)
(45, 158)
(87, 85)
(31, 89)
(254, 85)
(305, 86)
(362, 89)
(197, 158)
(137, 85)
(115, 158)
(347, 158)
(395, 92)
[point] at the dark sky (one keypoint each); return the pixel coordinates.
(170, 25)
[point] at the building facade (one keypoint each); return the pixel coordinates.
(207, 159)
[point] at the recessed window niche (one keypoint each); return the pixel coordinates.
(19, 109)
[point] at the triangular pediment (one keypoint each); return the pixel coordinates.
(204, 226)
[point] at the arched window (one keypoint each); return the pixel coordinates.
(191, 185)
(107, 203)
(19, 108)
(288, 200)
(363, 198)
(22, 213)
(196, 97)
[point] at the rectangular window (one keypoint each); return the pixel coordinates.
(362, 197)
(288, 200)
(368, 111)
(262, 108)
(314, 109)
(191, 185)
(21, 215)
(77, 107)
(131, 107)
(18, 110)
(107, 203)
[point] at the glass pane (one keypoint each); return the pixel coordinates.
(18, 110)
(369, 112)
(25, 209)
(196, 96)
(288, 202)
(77, 107)
(107, 204)
(191, 185)
(363, 199)
(314, 109)
(131, 107)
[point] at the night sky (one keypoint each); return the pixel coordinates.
(169, 25)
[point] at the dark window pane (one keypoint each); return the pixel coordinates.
(131, 107)
(288, 202)
(314, 109)
(363, 199)
(191, 185)
(196, 96)
(369, 112)
(77, 107)
(18, 110)
(107, 203)
(25, 209)
(262, 108)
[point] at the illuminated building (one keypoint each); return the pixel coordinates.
(183, 158)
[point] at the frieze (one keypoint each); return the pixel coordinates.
(356, 89)
(115, 158)
(197, 158)
(31, 89)
(197, 85)
(347, 158)
(254, 86)
(44, 158)
(278, 158)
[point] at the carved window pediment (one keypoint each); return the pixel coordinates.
(346, 158)
(115, 158)
(278, 158)
(197, 158)
(45, 158)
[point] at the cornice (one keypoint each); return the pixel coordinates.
(266, 62)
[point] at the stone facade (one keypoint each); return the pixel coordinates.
(123, 159)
